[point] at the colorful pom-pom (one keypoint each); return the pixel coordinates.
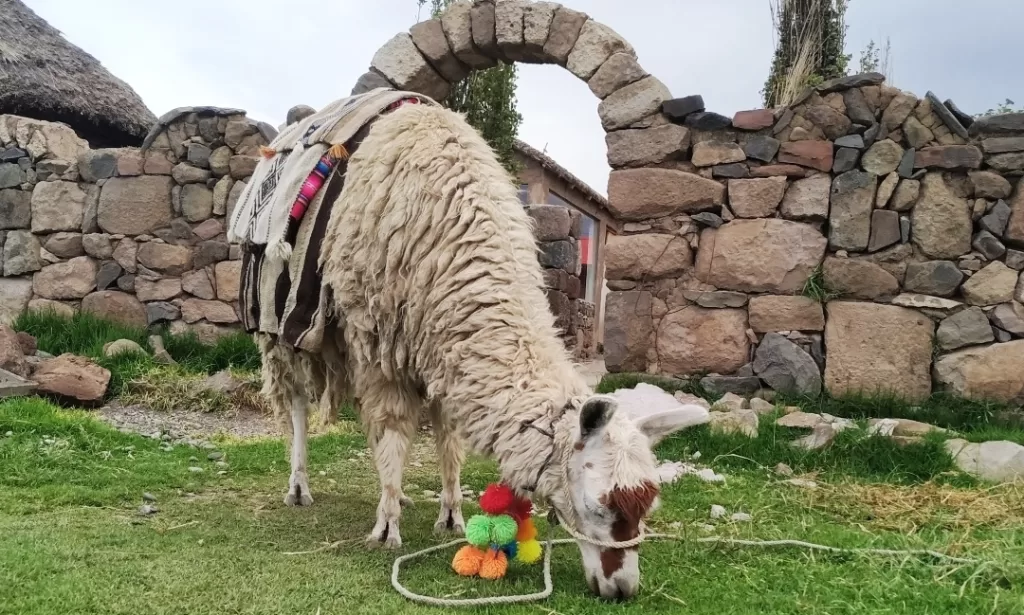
(478, 530)
(521, 509)
(529, 551)
(527, 530)
(511, 550)
(503, 529)
(467, 561)
(494, 565)
(496, 499)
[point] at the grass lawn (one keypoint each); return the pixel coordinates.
(72, 541)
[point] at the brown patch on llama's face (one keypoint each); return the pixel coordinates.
(579, 445)
(630, 506)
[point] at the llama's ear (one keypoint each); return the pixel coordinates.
(659, 425)
(595, 414)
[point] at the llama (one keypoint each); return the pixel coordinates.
(440, 306)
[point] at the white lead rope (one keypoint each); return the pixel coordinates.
(549, 585)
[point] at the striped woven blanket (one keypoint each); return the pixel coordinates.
(281, 216)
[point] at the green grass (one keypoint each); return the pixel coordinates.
(85, 334)
(816, 287)
(71, 540)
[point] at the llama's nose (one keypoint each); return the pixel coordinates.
(627, 588)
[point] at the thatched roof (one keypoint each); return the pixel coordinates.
(43, 76)
(548, 163)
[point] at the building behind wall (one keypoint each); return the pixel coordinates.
(542, 181)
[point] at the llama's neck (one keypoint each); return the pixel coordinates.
(514, 400)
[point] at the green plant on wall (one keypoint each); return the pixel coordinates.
(809, 47)
(1004, 107)
(488, 100)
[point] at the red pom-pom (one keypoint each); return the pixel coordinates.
(521, 509)
(496, 499)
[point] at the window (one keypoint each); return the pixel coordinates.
(588, 256)
(524, 194)
(554, 199)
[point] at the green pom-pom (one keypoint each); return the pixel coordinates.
(503, 529)
(478, 530)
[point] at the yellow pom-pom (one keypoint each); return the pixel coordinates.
(529, 552)
(527, 531)
(467, 561)
(494, 565)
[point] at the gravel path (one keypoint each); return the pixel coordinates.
(182, 424)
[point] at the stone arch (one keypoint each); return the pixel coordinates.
(469, 36)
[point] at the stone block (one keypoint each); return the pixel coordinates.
(639, 194)
(698, 340)
(57, 206)
(401, 63)
(941, 220)
(647, 256)
(756, 198)
(773, 313)
(135, 205)
(771, 255)
(853, 200)
(632, 103)
(595, 44)
(878, 349)
(647, 146)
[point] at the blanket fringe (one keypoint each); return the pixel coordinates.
(279, 251)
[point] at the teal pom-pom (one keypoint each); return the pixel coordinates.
(503, 529)
(478, 530)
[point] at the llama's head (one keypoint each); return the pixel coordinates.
(610, 483)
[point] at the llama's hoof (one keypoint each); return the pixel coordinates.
(297, 498)
(298, 491)
(389, 540)
(450, 524)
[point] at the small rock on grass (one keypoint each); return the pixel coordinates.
(761, 406)
(148, 497)
(729, 401)
(717, 512)
(148, 509)
(740, 516)
(783, 470)
(215, 456)
(195, 470)
(802, 483)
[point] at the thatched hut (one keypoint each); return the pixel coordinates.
(43, 76)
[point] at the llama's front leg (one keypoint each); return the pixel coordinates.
(390, 445)
(298, 484)
(450, 457)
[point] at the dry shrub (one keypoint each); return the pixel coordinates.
(906, 508)
(173, 388)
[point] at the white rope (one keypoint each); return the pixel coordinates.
(549, 585)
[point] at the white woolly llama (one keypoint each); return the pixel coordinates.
(436, 282)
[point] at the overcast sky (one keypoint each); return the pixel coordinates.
(265, 56)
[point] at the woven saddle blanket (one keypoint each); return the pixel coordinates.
(281, 216)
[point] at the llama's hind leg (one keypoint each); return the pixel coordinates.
(450, 458)
(282, 389)
(298, 483)
(389, 430)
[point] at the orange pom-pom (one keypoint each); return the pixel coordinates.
(467, 561)
(521, 509)
(494, 565)
(496, 499)
(267, 152)
(527, 531)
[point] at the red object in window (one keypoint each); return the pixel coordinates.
(584, 250)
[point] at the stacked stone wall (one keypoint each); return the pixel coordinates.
(130, 235)
(557, 229)
(861, 240)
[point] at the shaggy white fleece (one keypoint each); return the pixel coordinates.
(432, 262)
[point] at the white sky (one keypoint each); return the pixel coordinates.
(266, 55)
